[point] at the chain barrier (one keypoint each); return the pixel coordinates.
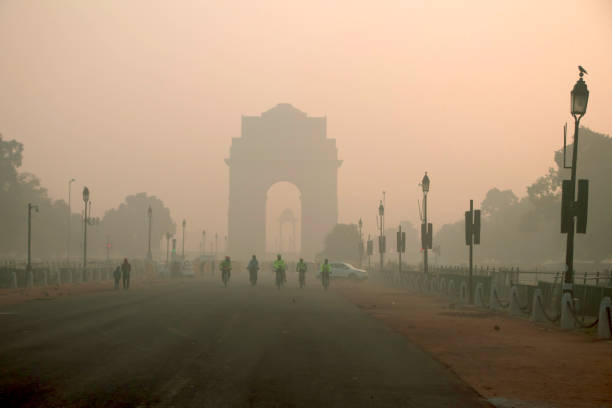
(499, 301)
(524, 309)
(582, 325)
(556, 319)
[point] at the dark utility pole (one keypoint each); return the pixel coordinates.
(472, 237)
(183, 251)
(401, 247)
(168, 236)
(381, 237)
(30, 208)
(370, 250)
(426, 228)
(85, 219)
(569, 207)
(150, 214)
(360, 248)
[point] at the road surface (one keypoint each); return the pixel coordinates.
(197, 344)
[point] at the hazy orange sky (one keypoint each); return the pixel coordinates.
(131, 96)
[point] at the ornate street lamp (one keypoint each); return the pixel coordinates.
(183, 251)
(360, 249)
(426, 228)
(381, 237)
(569, 207)
(85, 222)
(150, 214)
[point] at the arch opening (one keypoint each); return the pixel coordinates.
(283, 221)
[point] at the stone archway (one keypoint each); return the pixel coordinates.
(283, 144)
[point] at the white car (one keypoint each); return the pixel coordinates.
(346, 270)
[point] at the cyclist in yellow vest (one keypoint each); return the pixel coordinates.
(280, 266)
(325, 272)
(301, 269)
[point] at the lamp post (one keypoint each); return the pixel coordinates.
(425, 229)
(150, 214)
(30, 208)
(216, 246)
(183, 250)
(381, 237)
(203, 242)
(85, 217)
(579, 101)
(69, 218)
(360, 249)
(168, 236)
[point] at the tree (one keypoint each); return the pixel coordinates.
(127, 226)
(342, 244)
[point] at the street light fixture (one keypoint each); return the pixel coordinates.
(85, 222)
(569, 207)
(150, 214)
(30, 208)
(360, 249)
(183, 251)
(426, 228)
(381, 237)
(168, 236)
(72, 180)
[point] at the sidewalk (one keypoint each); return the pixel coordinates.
(40, 293)
(509, 360)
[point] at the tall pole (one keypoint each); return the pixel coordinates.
(360, 248)
(183, 251)
(203, 242)
(381, 237)
(569, 251)
(471, 300)
(150, 214)
(425, 258)
(168, 236)
(69, 218)
(216, 244)
(85, 236)
(29, 266)
(107, 249)
(399, 251)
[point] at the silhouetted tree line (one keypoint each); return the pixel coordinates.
(126, 227)
(526, 231)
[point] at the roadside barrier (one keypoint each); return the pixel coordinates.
(496, 303)
(541, 308)
(478, 298)
(569, 306)
(451, 289)
(442, 287)
(604, 329)
(515, 305)
(463, 292)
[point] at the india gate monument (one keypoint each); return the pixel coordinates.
(283, 144)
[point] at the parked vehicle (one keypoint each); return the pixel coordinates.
(346, 270)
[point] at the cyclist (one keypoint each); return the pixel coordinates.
(279, 268)
(301, 269)
(325, 273)
(253, 268)
(226, 270)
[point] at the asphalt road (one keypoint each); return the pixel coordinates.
(197, 344)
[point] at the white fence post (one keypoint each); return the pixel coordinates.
(537, 314)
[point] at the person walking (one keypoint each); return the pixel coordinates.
(126, 268)
(117, 276)
(253, 267)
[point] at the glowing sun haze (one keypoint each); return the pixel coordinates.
(147, 95)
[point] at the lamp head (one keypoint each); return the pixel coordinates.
(579, 97)
(425, 183)
(85, 194)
